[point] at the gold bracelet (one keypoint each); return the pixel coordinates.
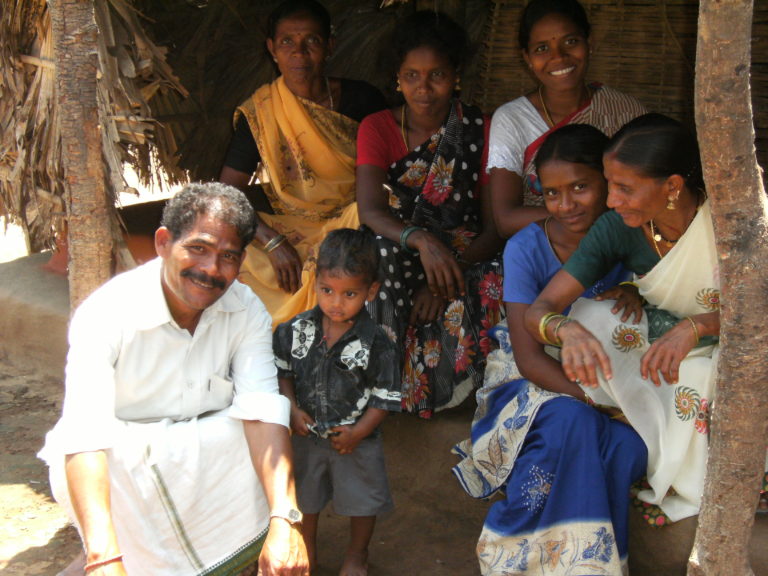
(100, 563)
(560, 324)
(629, 284)
(543, 326)
(274, 243)
(695, 330)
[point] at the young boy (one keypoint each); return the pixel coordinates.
(340, 372)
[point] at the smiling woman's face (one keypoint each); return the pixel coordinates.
(573, 193)
(635, 197)
(299, 48)
(558, 52)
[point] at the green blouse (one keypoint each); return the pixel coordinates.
(608, 242)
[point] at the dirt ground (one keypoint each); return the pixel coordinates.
(35, 538)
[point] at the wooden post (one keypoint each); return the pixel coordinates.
(739, 425)
(89, 210)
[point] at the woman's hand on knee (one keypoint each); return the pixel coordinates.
(663, 358)
(426, 307)
(444, 275)
(287, 266)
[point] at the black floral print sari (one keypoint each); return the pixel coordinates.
(436, 186)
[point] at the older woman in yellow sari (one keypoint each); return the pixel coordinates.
(301, 128)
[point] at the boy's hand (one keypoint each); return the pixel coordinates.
(345, 439)
(300, 421)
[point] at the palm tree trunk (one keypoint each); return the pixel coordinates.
(89, 211)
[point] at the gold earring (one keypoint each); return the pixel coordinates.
(457, 88)
(671, 202)
(399, 89)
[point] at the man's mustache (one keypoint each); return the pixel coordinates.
(203, 278)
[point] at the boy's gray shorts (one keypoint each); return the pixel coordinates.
(356, 483)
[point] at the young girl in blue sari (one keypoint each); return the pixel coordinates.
(564, 466)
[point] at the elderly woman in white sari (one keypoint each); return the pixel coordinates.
(659, 366)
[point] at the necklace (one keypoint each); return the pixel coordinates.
(657, 237)
(402, 128)
(655, 242)
(547, 115)
(549, 240)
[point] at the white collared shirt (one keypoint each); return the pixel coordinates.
(129, 360)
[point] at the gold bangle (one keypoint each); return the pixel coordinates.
(274, 243)
(543, 326)
(695, 329)
(629, 284)
(560, 324)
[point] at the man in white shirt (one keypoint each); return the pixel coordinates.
(172, 454)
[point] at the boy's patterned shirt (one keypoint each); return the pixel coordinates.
(335, 385)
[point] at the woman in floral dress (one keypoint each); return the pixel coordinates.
(421, 189)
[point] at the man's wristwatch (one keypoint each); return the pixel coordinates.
(290, 515)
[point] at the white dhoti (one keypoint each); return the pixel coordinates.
(185, 496)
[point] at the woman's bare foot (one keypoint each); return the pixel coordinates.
(355, 564)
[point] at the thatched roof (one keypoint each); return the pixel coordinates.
(132, 71)
(173, 72)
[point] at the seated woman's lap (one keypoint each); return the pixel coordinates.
(574, 458)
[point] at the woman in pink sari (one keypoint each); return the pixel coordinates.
(555, 44)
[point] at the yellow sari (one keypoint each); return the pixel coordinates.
(308, 154)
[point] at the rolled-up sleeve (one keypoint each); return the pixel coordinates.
(254, 373)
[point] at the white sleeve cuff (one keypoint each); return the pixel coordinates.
(264, 406)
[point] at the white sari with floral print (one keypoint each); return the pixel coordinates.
(672, 419)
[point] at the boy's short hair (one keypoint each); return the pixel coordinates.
(352, 251)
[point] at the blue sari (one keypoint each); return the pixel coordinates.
(564, 469)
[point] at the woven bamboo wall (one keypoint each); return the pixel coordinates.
(646, 48)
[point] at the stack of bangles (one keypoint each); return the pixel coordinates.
(274, 243)
(407, 231)
(545, 321)
(101, 563)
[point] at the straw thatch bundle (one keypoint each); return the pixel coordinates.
(646, 48)
(132, 71)
(30, 176)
